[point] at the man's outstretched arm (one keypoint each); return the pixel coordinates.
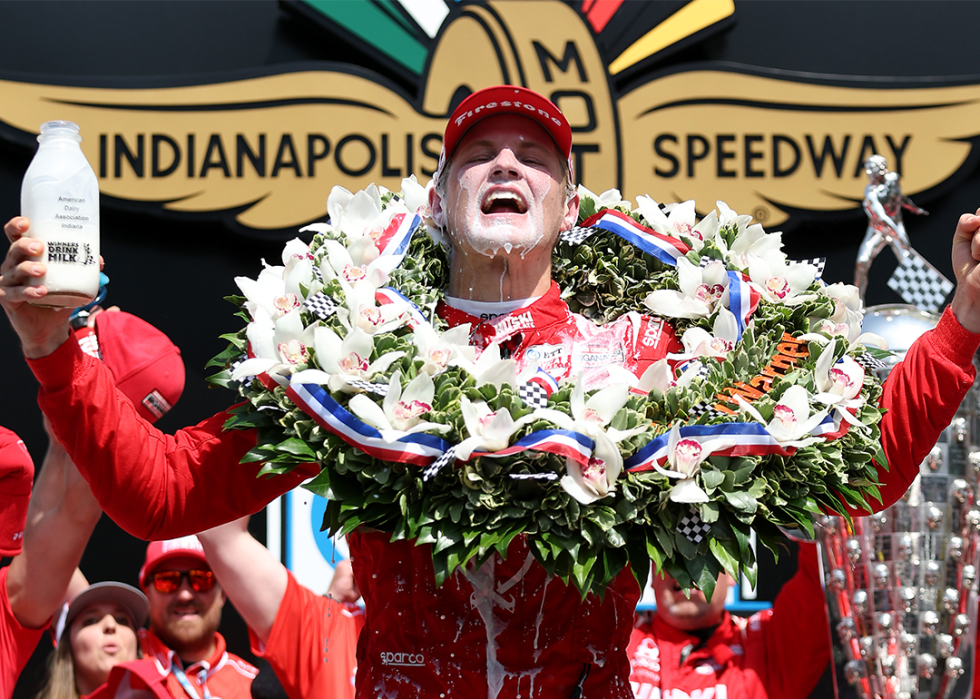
(924, 391)
(60, 519)
(299, 632)
(253, 579)
(153, 485)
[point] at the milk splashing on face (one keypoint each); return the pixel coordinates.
(489, 236)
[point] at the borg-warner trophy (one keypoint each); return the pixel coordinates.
(901, 585)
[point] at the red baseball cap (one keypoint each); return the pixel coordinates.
(16, 478)
(507, 99)
(160, 551)
(144, 362)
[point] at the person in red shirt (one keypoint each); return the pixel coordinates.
(46, 532)
(691, 647)
(63, 512)
(309, 640)
(185, 611)
(503, 195)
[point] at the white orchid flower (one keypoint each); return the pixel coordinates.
(416, 196)
(684, 457)
(839, 384)
(846, 320)
(698, 342)
(779, 282)
(268, 293)
(401, 413)
(727, 214)
(357, 262)
(679, 222)
(750, 239)
(277, 290)
(597, 479)
(662, 376)
(610, 199)
(337, 202)
(355, 214)
(364, 312)
(489, 430)
(792, 421)
(295, 252)
(344, 361)
(279, 346)
(591, 417)
(490, 368)
(439, 351)
(701, 290)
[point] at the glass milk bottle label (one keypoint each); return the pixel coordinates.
(60, 197)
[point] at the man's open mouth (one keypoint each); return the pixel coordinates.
(501, 202)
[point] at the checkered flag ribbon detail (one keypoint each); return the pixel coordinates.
(321, 305)
(533, 395)
(546, 476)
(701, 370)
(578, 235)
(379, 388)
(919, 283)
(869, 362)
(818, 262)
(692, 528)
(703, 408)
(245, 380)
(432, 469)
(705, 261)
(317, 273)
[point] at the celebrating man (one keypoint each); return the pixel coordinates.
(502, 195)
(183, 653)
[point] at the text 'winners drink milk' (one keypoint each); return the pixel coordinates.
(60, 196)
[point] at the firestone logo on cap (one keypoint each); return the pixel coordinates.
(182, 544)
(506, 103)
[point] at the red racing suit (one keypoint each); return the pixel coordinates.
(509, 630)
(778, 653)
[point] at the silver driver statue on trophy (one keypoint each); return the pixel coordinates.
(916, 280)
(901, 585)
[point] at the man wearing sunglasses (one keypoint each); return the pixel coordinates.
(185, 611)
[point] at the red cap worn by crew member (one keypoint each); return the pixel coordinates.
(507, 99)
(144, 362)
(159, 551)
(16, 477)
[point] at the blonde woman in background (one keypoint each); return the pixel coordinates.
(98, 632)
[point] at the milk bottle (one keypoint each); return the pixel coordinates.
(60, 196)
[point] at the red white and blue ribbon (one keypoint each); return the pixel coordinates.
(418, 449)
(663, 247)
(747, 438)
(422, 449)
(387, 295)
(743, 299)
(398, 235)
(574, 445)
(542, 378)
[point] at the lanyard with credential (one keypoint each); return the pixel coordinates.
(186, 684)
